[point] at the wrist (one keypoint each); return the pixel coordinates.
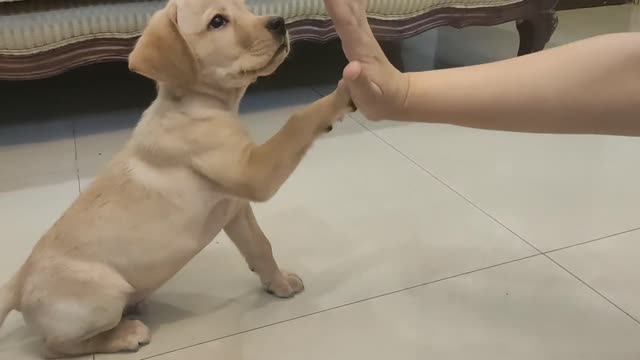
(399, 98)
(404, 94)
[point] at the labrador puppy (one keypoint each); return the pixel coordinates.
(189, 171)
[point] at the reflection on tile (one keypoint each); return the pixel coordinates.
(525, 310)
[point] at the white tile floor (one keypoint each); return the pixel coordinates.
(415, 241)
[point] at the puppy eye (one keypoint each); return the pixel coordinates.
(218, 21)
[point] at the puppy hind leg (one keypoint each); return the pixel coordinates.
(79, 315)
(127, 335)
(70, 325)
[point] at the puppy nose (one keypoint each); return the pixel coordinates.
(276, 25)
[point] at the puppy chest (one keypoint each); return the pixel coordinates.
(177, 186)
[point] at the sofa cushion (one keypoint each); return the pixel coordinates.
(382, 9)
(40, 25)
(28, 27)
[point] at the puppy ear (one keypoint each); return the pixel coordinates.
(162, 53)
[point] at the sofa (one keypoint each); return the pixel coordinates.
(44, 38)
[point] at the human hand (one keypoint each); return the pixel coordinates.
(378, 89)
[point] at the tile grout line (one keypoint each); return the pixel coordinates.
(486, 213)
(337, 307)
(545, 254)
(75, 147)
(592, 240)
(592, 288)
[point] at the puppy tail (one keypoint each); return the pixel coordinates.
(8, 298)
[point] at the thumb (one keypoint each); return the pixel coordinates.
(352, 71)
(356, 77)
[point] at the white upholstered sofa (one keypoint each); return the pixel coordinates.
(42, 38)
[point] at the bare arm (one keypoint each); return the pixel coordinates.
(591, 86)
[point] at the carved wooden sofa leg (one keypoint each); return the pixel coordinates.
(535, 31)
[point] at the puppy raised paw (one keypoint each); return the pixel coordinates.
(342, 102)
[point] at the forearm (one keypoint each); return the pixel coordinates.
(591, 86)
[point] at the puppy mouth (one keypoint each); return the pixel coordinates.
(284, 48)
(281, 51)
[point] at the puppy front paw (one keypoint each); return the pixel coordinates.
(342, 103)
(344, 99)
(352, 105)
(286, 285)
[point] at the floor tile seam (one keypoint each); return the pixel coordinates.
(510, 230)
(337, 307)
(451, 188)
(594, 290)
(587, 242)
(605, 237)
